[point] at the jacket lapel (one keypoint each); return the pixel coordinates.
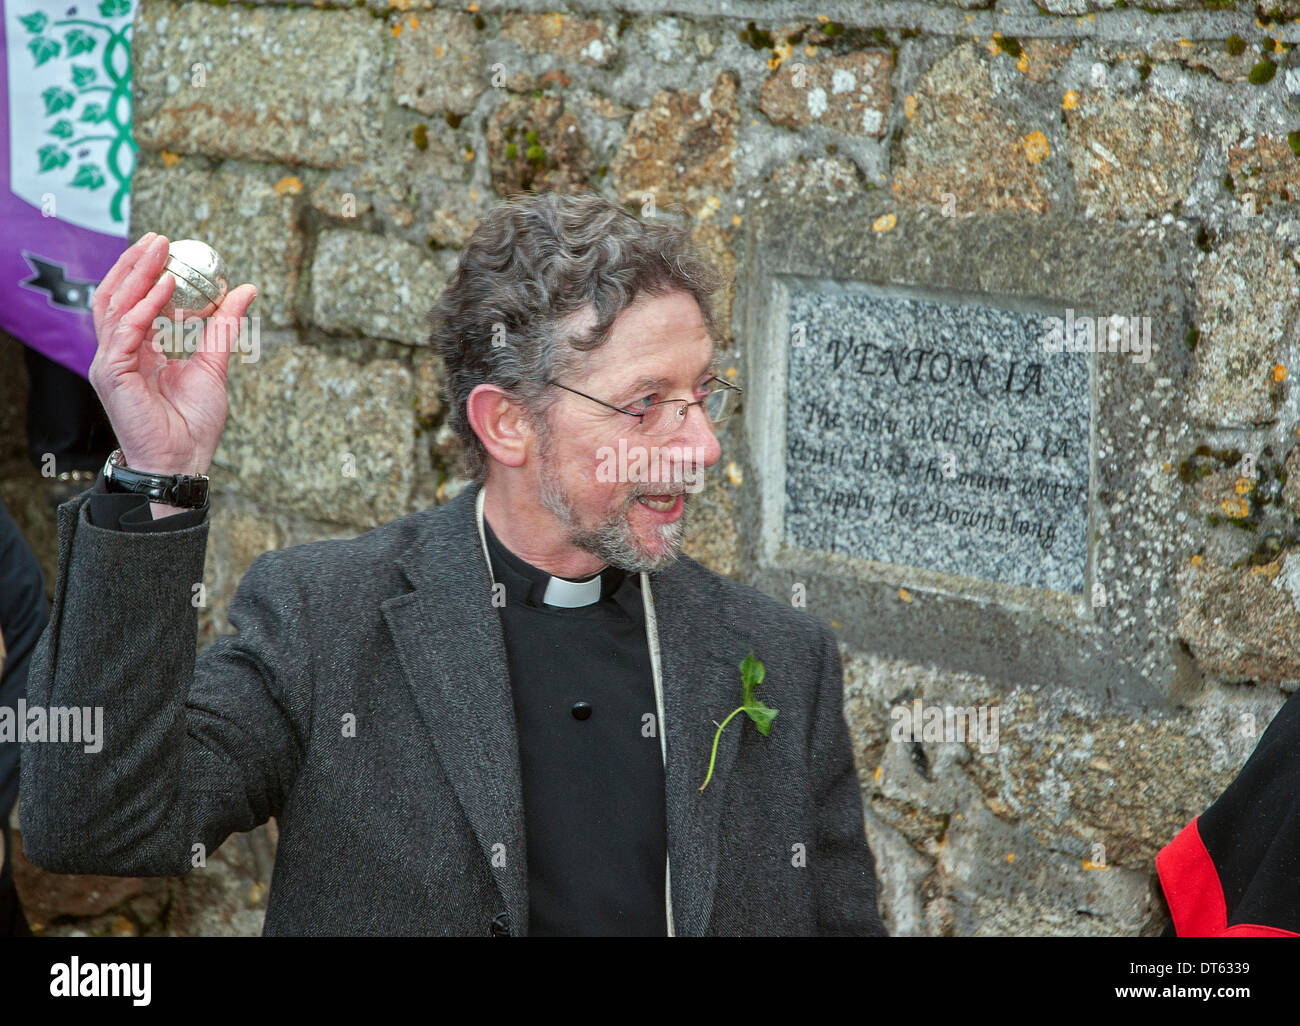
(450, 644)
(701, 688)
(452, 651)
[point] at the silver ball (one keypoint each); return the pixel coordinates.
(201, 282)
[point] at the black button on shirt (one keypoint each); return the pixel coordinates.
(593, 788)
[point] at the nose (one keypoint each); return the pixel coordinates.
(696, 432)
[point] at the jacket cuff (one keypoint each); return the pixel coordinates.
(128, 511)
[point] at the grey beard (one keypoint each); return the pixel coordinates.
(612, 541)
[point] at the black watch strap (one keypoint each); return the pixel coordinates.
(182, 490)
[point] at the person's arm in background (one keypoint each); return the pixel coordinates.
(24, 612)
(844, 871)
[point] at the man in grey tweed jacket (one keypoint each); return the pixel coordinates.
(413, 822)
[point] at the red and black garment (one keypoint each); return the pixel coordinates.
(1234, 871)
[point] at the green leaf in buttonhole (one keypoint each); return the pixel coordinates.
(751, 676)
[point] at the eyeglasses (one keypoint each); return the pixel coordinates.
(663, 418)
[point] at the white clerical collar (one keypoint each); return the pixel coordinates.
(561, 592)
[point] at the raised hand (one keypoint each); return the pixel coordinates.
(168, 415)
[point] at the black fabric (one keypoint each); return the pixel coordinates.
(65, 418)
(1252, 832)
(593, 789)
(13, 923)
(127, 511)
(24, 612)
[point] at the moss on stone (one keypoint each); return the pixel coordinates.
(1009, 45)
(1236, 45)
(755, 37)
(1192, 337)
(1262, 72)
(420, 134)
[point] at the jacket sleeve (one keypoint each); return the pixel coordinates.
(844, 871)
(189, 750)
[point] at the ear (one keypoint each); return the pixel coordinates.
(499, 421)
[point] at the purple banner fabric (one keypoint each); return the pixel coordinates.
(66, 158)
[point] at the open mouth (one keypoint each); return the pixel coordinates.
(662, 503)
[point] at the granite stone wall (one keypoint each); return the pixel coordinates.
(339, 154)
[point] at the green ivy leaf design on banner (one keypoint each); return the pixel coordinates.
(79, 42)
(43, 49)
(57, 99)
(52, 157)
(105, 110)
(88, 177)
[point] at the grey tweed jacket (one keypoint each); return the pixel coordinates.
(364, 702)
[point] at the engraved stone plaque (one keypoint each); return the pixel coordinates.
(936, 434)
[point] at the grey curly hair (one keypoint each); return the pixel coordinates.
(535, 260)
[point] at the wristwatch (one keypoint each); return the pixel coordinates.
(183, 490)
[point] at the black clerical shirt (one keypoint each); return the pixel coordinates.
(593, 787)
(590, 761)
